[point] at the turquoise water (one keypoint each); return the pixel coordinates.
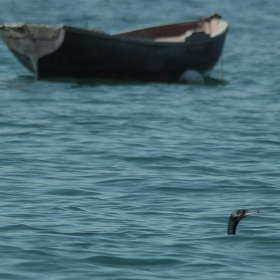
(104, 179)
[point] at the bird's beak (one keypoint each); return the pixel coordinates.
(250, 212)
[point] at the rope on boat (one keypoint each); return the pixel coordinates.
(221, 67)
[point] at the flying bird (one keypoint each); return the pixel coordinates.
(236, 217)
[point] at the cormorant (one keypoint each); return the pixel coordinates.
(236, 217)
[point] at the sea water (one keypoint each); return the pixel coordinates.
(108, 179)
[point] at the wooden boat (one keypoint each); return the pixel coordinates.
(161, 52)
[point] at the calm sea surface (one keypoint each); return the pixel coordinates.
(103, 179)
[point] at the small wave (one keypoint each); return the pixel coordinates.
(71, 192)
(117, 261)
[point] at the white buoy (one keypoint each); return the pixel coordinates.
(191, 77)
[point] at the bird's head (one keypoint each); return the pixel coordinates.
(242, 213)
(236, 217)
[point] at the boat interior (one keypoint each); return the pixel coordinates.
(177, 32)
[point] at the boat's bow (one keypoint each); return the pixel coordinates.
(29, 42)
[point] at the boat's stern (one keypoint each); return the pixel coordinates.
(29, 42)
